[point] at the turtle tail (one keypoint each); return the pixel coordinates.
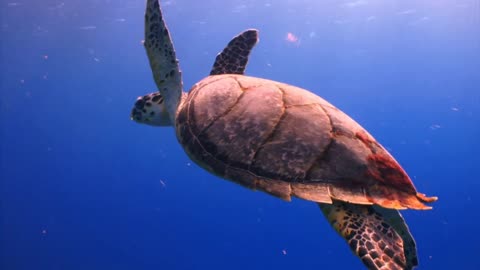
(378, 236)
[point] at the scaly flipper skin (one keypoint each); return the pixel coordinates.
(381, 245)
(163, 61)
(395, 219)
(151, 109)
(234, 58)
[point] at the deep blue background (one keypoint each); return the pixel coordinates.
(81, 184)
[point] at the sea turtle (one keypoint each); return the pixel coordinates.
(285, 141)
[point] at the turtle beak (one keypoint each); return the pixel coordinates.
(134, 114)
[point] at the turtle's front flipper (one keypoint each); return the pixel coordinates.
(378, 236)
(234, 58)
(161, 54)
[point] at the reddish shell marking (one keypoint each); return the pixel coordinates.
(366, 139)
(383, 168)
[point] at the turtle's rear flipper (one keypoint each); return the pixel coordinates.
(377, 235)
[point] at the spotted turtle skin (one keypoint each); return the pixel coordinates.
(287, 141)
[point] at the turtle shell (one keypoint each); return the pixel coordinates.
(287, 141)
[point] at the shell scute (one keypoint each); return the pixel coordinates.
(246, 126)
(344, 163)
(300, 138)
(217, 99)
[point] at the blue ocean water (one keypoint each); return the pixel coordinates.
(83, 187)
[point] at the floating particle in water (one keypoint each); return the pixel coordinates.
(284, 252)
(292, 38)
(455, 109)
(88, 27)
(162, 183)
(355, 4)
(341, 22)
(406, 12)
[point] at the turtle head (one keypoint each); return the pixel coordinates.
(151, 110)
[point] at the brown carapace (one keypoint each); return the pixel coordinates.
(287, 141)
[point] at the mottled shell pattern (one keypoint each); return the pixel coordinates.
(287, 141)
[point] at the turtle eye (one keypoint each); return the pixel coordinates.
(156, 98)
(140, 104)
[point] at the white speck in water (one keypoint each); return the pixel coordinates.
(162, 183)
(355, 4)
(88, 27)
(406, 12)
